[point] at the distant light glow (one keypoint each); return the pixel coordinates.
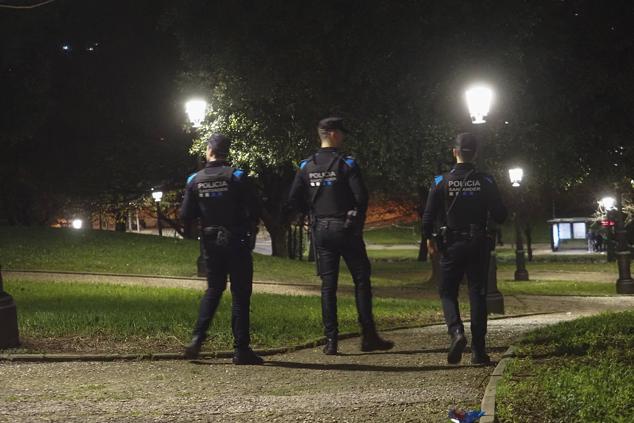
(66, 47)
(77, 223)
(607, 203)
(196, 110)
(515, 175)
(90, 49)
(479, 99)
(157, 195)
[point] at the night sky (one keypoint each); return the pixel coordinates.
(93, 91)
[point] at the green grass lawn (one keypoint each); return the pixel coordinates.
(392, 235)
(63, 316)
(104, 251)
(579, 371)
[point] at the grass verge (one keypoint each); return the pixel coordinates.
(537, 287)
(78, 317)
(578, 371)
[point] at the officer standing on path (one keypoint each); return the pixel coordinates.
(329, 187)
(228, 208)
(462, 201)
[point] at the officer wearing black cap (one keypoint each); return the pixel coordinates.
(329, 187)
(228, 209)
(462, 201)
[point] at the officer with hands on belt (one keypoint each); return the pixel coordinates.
(462, 200)
(328, 186)
(228, 208)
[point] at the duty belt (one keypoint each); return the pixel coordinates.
(465, 234)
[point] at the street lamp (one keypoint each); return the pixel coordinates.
(521, 274)
(157, 196)
(196, 110)
(479, 99)
(624, 284)
(607, 206)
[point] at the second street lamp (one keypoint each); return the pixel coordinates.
(521, 274)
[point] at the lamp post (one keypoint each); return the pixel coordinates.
(158, 195)
(479, 99)
(9, 335)
(608, 207)
(196, 110)
(624, 284)
(521, 274)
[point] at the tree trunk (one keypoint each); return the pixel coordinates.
(279, 238)
(275, 184)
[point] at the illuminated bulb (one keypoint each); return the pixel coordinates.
(516, 175)
(196, 111)
(479, 99)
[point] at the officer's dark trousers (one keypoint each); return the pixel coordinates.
(468, 257)
(332, 242)
(236, 262)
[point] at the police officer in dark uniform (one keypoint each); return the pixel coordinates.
(329, 187)
(228, 208)
(462, 200)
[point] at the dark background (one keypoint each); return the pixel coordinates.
(101, 123)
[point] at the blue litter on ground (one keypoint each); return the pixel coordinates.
(458, 415)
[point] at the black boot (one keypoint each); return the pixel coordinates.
(331, 346)
(193, 349)
(458, 343)
(480, 358)
(371, 341)
(478, 352)
(246, 356)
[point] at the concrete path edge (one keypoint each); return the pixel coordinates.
(488, 400)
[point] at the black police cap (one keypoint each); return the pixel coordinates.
(466, 142)
(219, 144)
(332, 124)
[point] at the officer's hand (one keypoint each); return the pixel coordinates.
(431, 247)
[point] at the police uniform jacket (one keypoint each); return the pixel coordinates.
(339, 182)
(221, 195)
(476, 197)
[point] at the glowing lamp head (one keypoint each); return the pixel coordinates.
(515, 175)
(607, 203)
(157, 195)
(196, 111)
(77, 223)
(479, 99)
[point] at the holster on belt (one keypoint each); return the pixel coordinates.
(218, 236)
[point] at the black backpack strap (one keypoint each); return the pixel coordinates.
(453, 203)
(316, 194)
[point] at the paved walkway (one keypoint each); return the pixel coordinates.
(411, 383)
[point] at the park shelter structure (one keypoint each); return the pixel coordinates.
(569, 233)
